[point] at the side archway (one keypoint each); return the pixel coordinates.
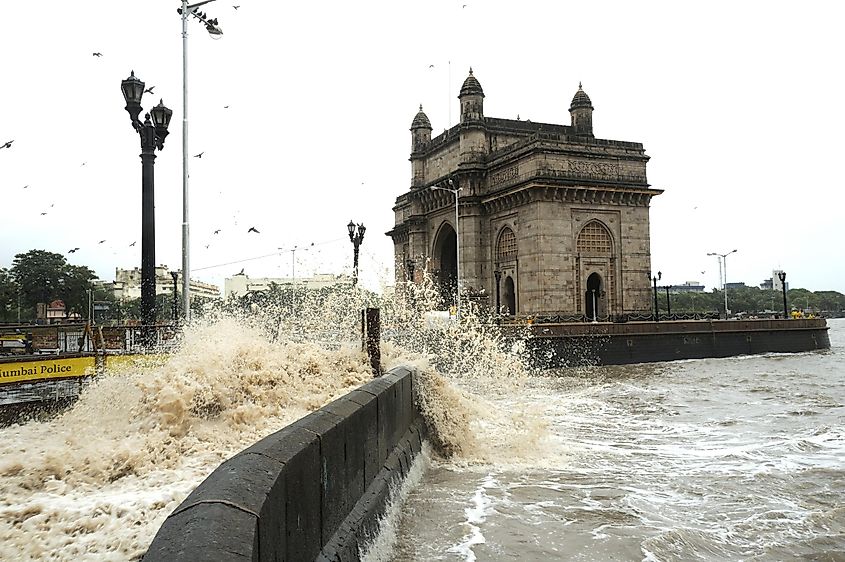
(445, 252)
(595, 271)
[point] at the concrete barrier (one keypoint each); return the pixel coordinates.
(566, 345)
(312, 491)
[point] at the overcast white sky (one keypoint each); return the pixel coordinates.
(739, 104)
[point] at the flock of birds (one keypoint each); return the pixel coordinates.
(149, 90)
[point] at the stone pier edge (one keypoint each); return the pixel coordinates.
(314, 490)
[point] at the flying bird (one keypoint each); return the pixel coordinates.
(44, 213)
(132, 244)
(72, 251)
(199, 155)
(149, 90)
(84, 163)
(225, 107)
(431, 66)
(97, 54)
(236, 7)
(7, 144)
(101, 241)
(217, 231)
(253, 229)
(242, 272)
(27, 185)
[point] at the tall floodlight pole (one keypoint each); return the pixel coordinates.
(215, 32)
(455, 191)
(723, 269)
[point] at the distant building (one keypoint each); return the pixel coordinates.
(127, 284)
(242, 284)
(688, 287)
(739, 285)
(774, 283)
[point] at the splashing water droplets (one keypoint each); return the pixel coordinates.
(97, 480)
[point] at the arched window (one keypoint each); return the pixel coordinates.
(506, 247)
(594, 238)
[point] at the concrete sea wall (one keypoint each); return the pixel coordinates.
(311, 491)
(565, 345)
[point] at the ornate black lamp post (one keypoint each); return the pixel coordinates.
(655, 280)
(498, 275)
(152, 135)
(782, 277)
(356, 236)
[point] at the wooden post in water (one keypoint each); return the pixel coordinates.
(371, 337)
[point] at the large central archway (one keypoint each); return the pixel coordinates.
(446, 253)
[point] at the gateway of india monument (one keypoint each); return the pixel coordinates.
(553, 221)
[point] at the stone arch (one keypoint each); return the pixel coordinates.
(594, 238)
(506, 248)
(596, 275)
(445, 252)
(509, 296)
(594, 297)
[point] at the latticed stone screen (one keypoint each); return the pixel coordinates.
(506, 248)
(594, 239)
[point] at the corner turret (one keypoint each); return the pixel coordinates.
(472, 99)
(581, 111)
(420, 131)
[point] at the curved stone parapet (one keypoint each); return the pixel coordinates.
(312, 491)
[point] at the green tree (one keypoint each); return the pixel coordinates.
(75, 284)
(8, 296)
(45, 276)
(39, 275)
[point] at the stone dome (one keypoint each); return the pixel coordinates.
(421, 120)
(581, 99)
(471, 86)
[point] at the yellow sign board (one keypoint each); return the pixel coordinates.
(12, 337)
(22, 371)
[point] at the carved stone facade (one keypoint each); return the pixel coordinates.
(553, 221)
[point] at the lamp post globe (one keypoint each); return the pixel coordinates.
(133, 90)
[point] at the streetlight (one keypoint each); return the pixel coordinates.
(216, 33)
(455, 191)
(152, 135)
(498, 274)
(655, 280)
(782, 277)
(724, 259)
(356, 236)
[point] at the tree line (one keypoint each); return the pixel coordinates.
(39, 276)
(752, 301)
